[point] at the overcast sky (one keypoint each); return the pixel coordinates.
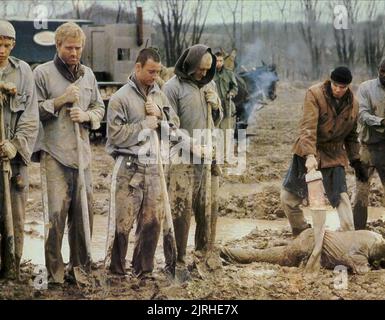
(261, 10)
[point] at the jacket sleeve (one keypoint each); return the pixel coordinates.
(120, 132)
(46, 105)
(28, 124)
(307, 140)
(96, 108)
(367, 115)
(352, 145)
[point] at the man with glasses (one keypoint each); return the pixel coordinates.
(371, 97)
(328, 141)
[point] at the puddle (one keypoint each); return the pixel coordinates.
(227, 229)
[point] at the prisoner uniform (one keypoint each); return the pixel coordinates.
(59, 160)
(226, 84)
(186, 184)
(136, 186)
(21, 122)
(371, 97)
(352, 249)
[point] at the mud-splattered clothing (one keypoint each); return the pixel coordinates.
(136, 189)
(370, 95)
(21, 120)
(352, 249)
(187, 183)
(59, 161)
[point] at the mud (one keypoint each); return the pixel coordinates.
(250, 215)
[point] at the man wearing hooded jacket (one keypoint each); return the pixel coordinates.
(190, 92)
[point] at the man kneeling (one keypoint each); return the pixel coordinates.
(356, 250)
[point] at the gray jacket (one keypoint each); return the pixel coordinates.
(371, 98)
(126, 115)
(57, 136)
(21, 117)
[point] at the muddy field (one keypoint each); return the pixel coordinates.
(250, 215)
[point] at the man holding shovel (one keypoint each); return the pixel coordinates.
(67, 94)
(19, 127)
(193, 187)
(138, 189)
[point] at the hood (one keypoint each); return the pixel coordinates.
(189, 61)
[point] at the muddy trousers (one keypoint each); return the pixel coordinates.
(19, 191)
(373, 159)
(64, 202)
(187, 196)
(137, 197)
(291, 255)
(291, 202)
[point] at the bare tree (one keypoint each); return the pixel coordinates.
(176, 21)
(311, 35)
(231, 30)
(199, 19)
(374, 42)
(76, 5)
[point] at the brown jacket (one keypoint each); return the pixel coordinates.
(332, 138)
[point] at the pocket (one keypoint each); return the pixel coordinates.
(18, 102)
(86, 97)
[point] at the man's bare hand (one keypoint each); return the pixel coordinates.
(7, 150)
(78, 115)
(72, 94)
(151, 122)
(152, 109)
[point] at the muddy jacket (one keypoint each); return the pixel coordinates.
(332, 137)
(371, 97)
(226, 83)
(21, 116)
(58, 135)
(187, 96)
(126, 115)
(352, 249)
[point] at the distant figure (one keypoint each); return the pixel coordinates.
(227, 88)
(356, 250)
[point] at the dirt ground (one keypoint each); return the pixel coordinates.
(253, 195)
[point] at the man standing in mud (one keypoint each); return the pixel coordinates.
(67, 93)
(21, 124)
(328, 139)
(136, 186)
(192, 93)
(371, 98)
(227, 89)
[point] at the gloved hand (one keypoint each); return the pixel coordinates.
(311, 163)
(7, 149)
(359, 170)
(212, 99)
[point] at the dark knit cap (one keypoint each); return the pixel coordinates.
(341, 75)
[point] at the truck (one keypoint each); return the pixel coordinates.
(110, 50)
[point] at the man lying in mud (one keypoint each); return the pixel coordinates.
(356, 250)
